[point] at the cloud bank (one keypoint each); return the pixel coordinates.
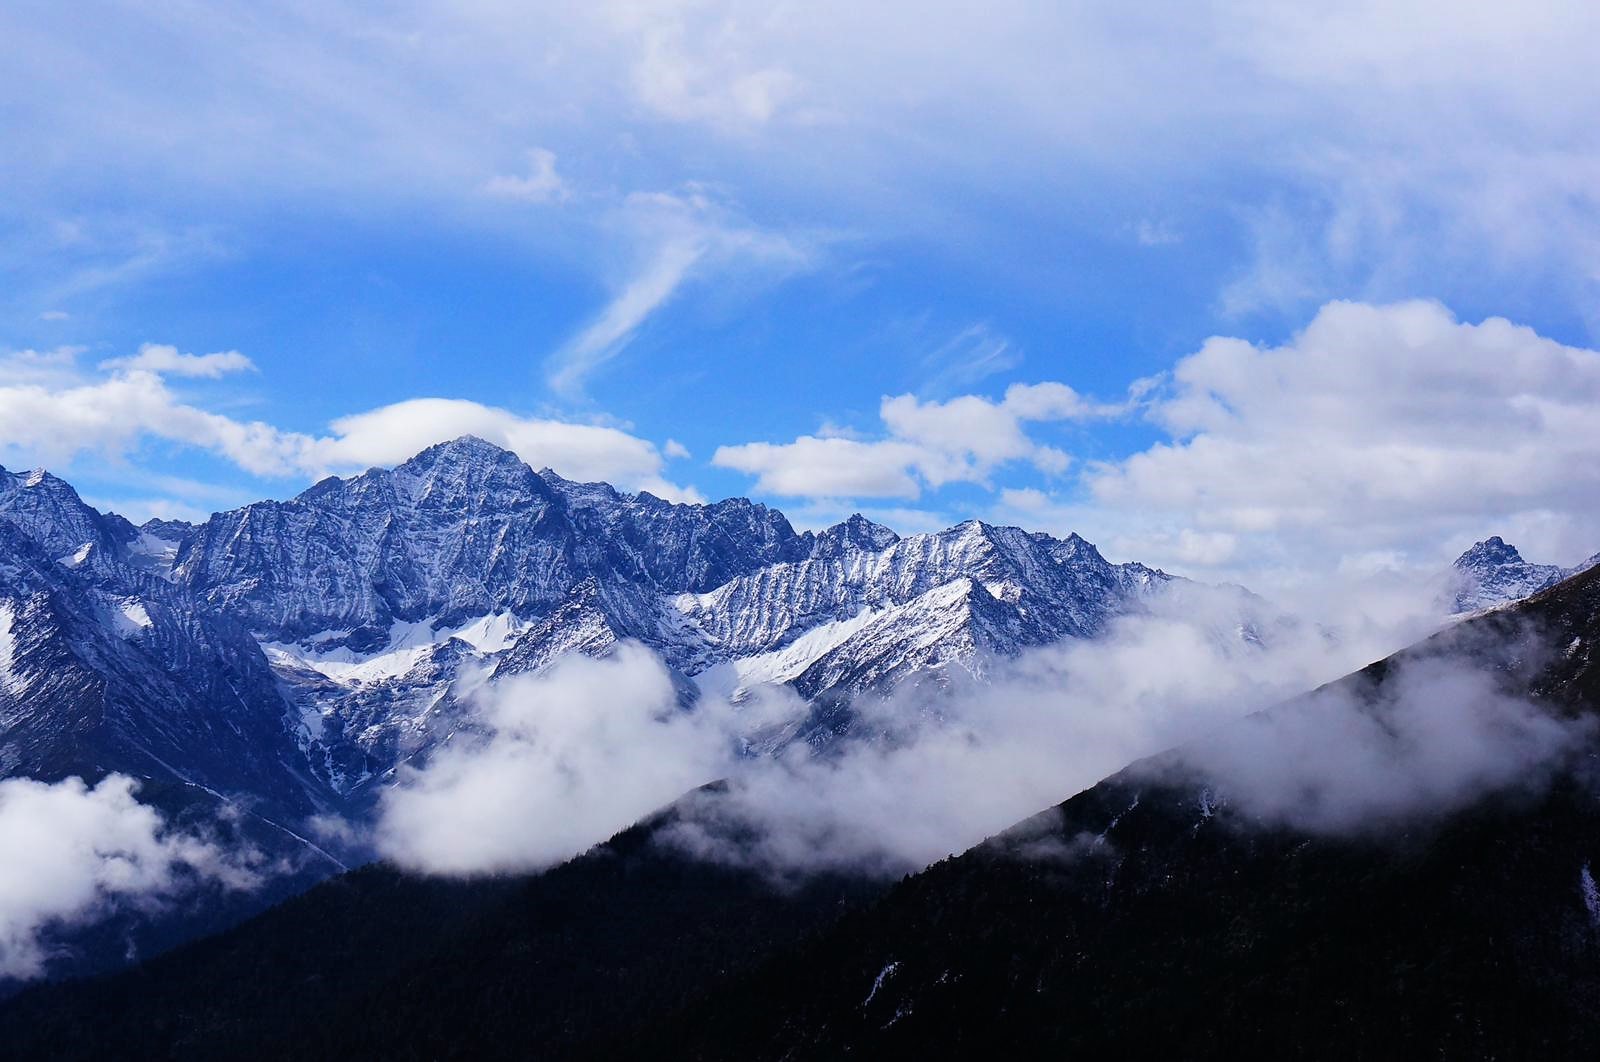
(1375, 429)
(594, 745)
(1436, 736)
(51, 411)
(566, 758)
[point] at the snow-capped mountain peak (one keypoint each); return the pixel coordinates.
(1493, 572)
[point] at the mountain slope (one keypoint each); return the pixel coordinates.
(572, 961)
(1140, 918)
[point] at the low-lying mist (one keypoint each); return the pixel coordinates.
(75, 852)
(572, 755)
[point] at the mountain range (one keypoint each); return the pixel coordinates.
(306, 647)
(1158, 913)
(279, 662)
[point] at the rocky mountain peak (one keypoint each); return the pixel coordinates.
(856, 533)
(1492, 572)
(50, 512)
(1492, 552)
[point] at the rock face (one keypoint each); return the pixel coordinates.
(1493, 573)
(104, 666)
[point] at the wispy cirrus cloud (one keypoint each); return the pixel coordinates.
(541, 184)
(676, 237)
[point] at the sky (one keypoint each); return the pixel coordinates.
(1241, 290)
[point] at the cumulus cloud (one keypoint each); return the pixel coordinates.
(567, 758)
(50, 412)
(395, 432)
(928, 444)
(168, 361)
(52, 424)
(70, 852)
(1376, 428)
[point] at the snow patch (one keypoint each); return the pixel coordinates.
(154, 554)
(883, 975)
(75, 560)
(409, 644)
(129, 618)
(1591, 895)
(782, 665)
(8, 648)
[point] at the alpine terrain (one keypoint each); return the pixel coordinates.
(1163, 912)
(276, 663)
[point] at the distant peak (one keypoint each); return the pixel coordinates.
(860, 532)
(1491, 552)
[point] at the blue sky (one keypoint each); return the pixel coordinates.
(643, 240)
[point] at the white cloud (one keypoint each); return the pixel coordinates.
(691, 63)
(831, 467)
(54, 315)
(42, 367)
(392, 433)
(593, 745)
(541, 184)
(1438, 735)
(962, 440)
(1377, 428)
(71, 852)
(1156, 233)
(572, 756)
(972, 354)
(53, 424)
(942, 770)
(167, 361)
(50, 413)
